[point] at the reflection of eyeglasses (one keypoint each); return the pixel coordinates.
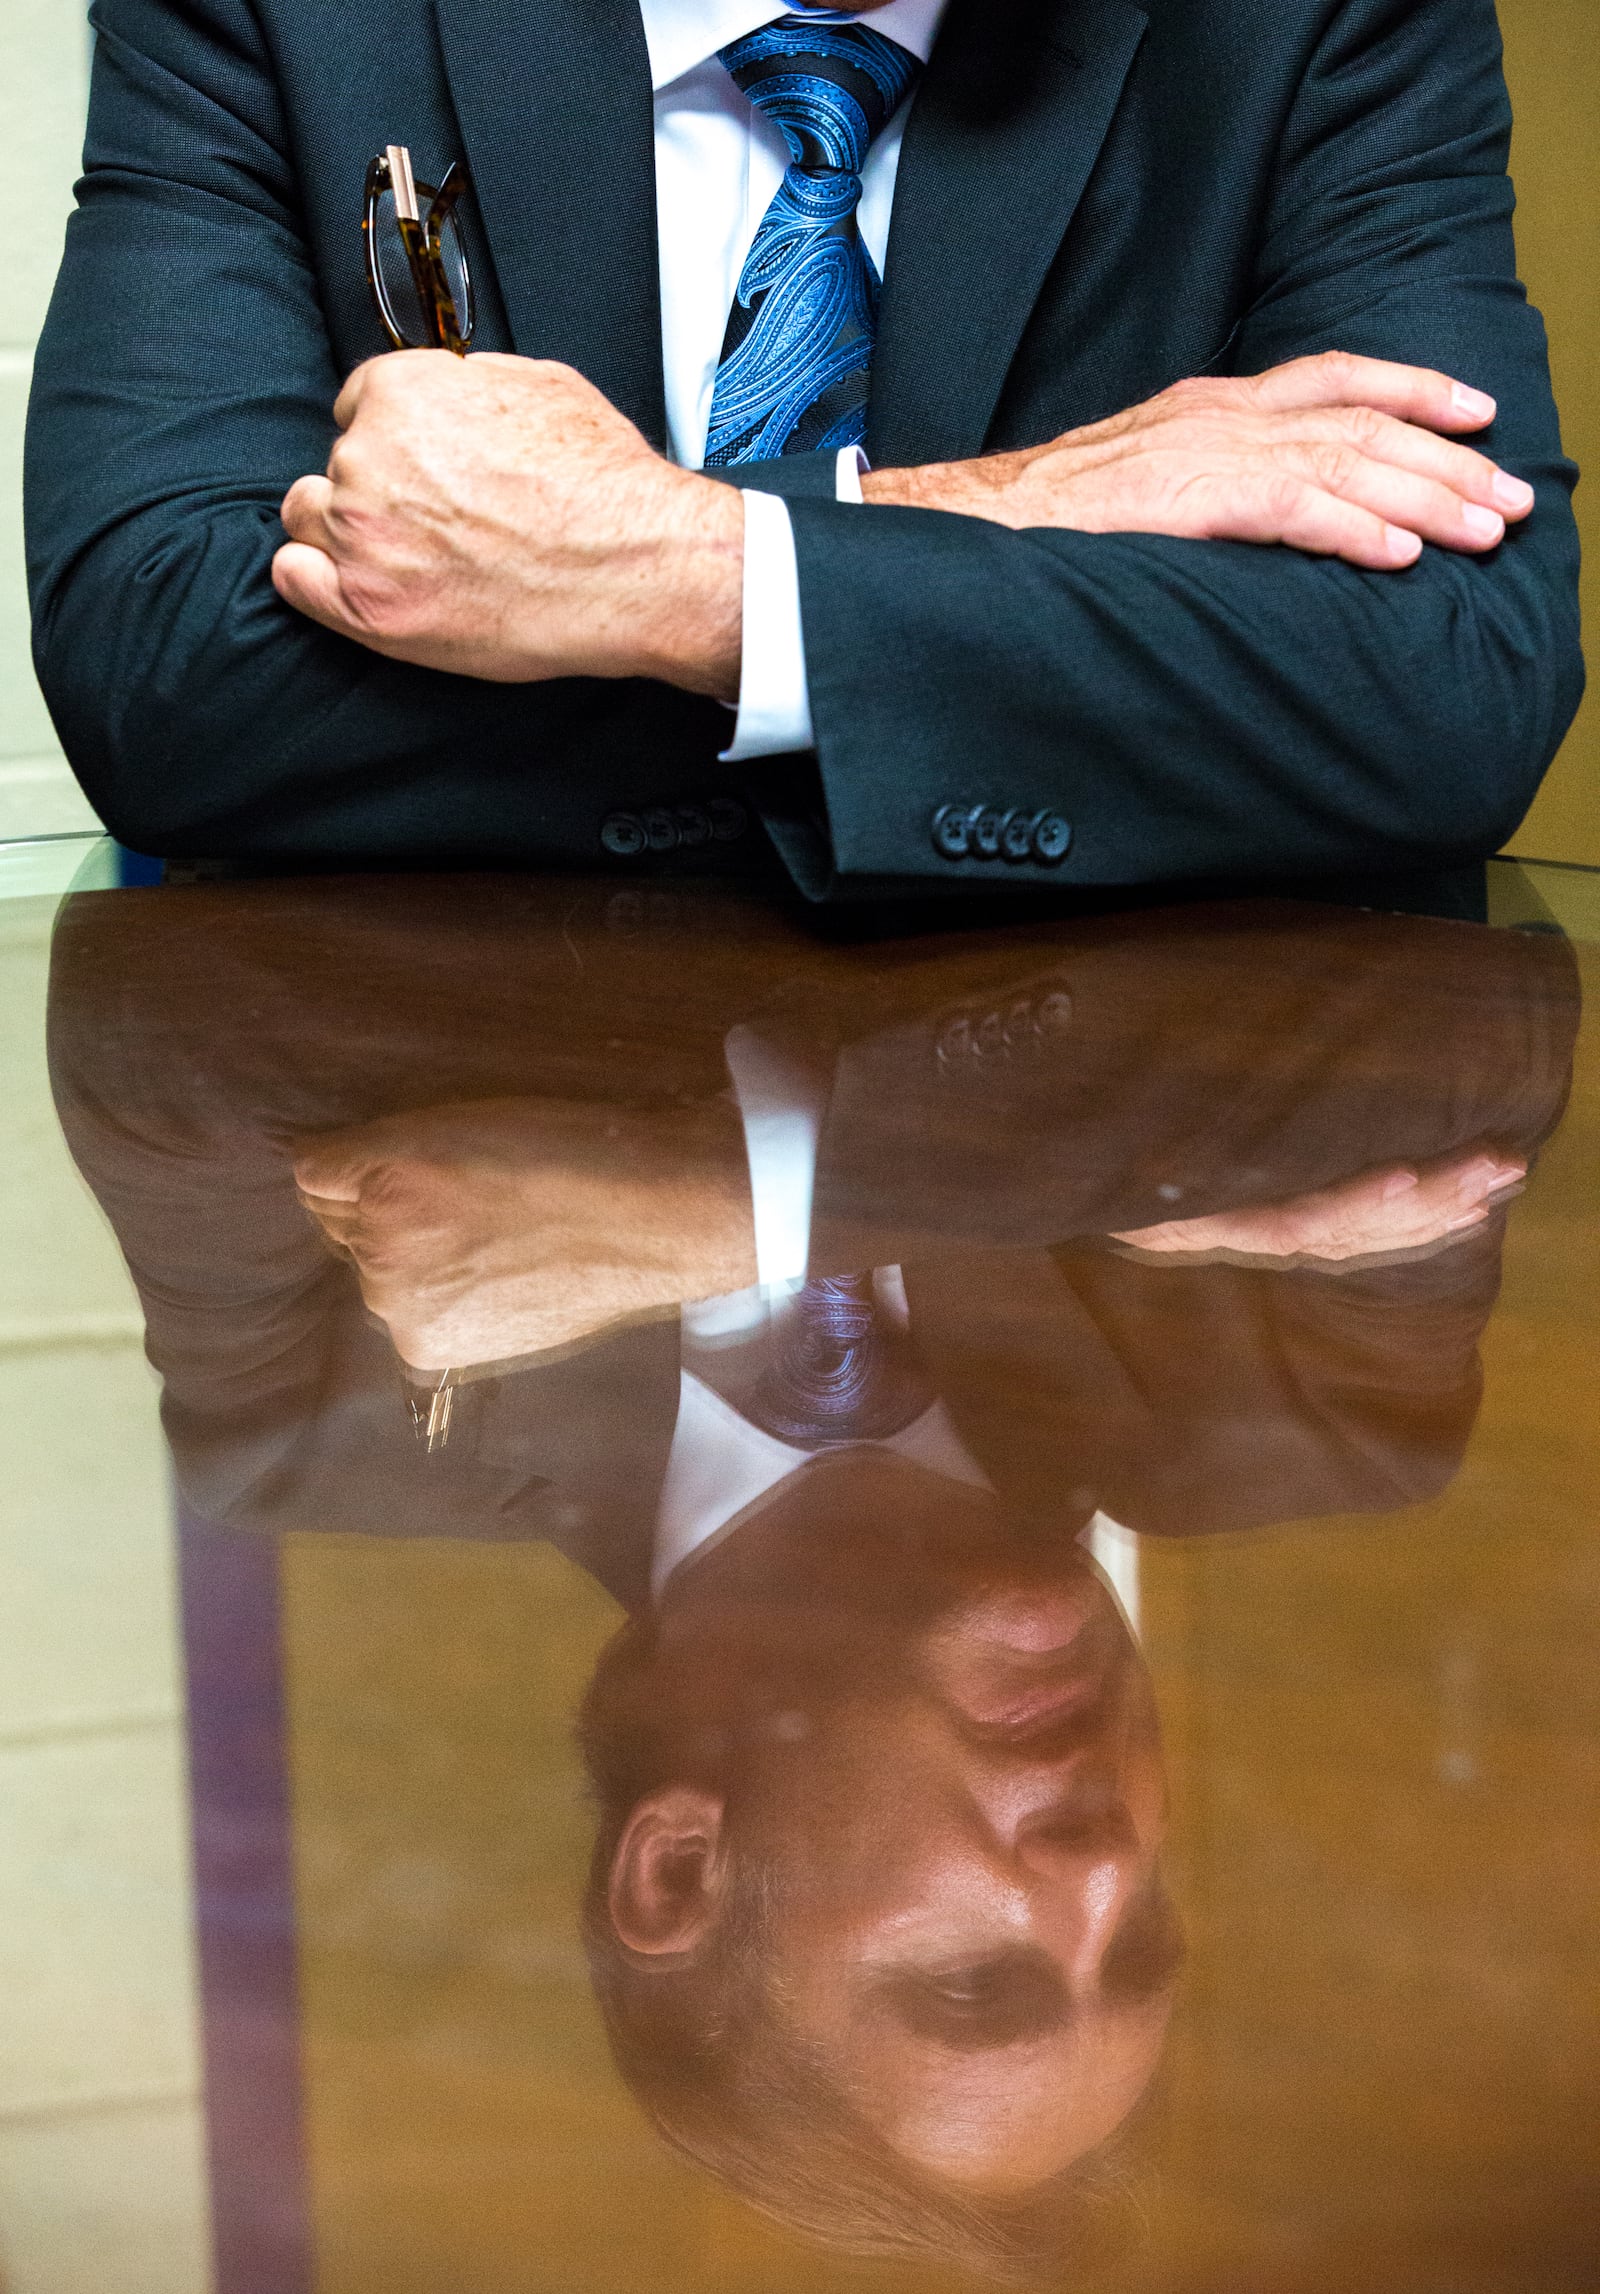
(416, 263)
(432, 1403)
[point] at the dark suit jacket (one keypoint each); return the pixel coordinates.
(1254, 1053)
(1095, 199)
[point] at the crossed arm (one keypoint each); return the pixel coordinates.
(482, 1232)
(1091, 629)
(496, 517)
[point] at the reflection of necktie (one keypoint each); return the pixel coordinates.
(842, 1372)
(797, 358)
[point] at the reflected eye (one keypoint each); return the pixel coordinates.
(968, 1988)
(982, 2003)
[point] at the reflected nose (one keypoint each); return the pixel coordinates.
(1083, 1867)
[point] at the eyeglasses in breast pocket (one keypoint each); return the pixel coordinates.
(416, 261)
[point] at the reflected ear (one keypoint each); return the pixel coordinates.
(669, 1873)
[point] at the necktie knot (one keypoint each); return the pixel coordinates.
(829, 88)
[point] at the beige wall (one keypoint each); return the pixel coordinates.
(1553, 62)
(102, 2182)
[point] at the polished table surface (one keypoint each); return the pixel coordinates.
(536, 1753)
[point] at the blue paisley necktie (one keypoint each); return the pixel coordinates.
(843, 1372)
(797, 357)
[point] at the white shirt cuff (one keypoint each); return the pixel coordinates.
(774, 701)
(782, 1111)
(851, 467)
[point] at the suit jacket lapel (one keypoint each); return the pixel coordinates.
(1002, 138)
(554, 102)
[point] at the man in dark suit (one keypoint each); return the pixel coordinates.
(1172, 561)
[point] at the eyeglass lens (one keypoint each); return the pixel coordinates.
(394, 268)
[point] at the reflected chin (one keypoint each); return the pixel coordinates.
(1005, 2128)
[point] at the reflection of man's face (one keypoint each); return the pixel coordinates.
(971, 1889)
(969, 1930)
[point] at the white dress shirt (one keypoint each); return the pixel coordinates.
(719, 163)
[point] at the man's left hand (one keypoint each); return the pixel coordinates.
(498, 517)
(1382, 1216)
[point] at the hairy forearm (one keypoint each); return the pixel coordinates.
(991, 487)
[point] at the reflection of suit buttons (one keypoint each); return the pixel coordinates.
(728, 819)
(1052, 838)
(1055, 1012)
(951, 833)
(1016, 835)
(622, 833)
(694, 825)
(660, 829)
(984, 823)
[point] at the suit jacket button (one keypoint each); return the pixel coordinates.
(728, 819)
(951, 835)
(1052, 838)
(694, 825)
(985, 822)
(622, 834)
(1016, 835)
(660, 829)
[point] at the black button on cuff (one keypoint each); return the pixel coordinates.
(951, 836)
(1016, 836)
(622, 835)
(985, 822)
(728, 818)
(660, 829)
(694, 826)
(1052, 838)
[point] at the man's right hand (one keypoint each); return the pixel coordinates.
(496, 1228)
(1338, 456)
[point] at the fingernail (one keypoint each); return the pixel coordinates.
(1399, 1183)
(1473, 403)
(1483, 525)
(1467, 1219)
(1514, 494)
(1404, 548)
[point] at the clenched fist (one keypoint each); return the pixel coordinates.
(498, 517)
(496, 1228)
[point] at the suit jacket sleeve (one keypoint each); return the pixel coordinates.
(1185, 1401)
(184, 380)
(1207, 708)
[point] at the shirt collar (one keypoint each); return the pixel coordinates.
(682, 34)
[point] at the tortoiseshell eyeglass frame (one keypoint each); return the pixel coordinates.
(421, 213)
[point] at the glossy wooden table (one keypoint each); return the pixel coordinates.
(295, 1829)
